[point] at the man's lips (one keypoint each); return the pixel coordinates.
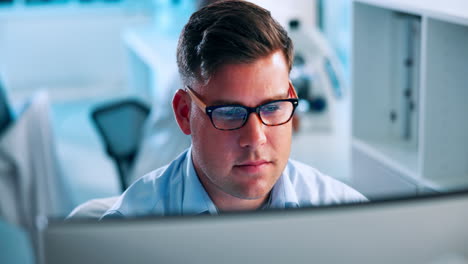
(255, 166)
(253, 163)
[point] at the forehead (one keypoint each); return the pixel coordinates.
(250, 84)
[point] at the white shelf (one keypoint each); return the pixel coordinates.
(435, 157)
(394, 154)
(455, 11)
(445, 126)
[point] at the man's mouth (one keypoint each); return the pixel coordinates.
(252, 166)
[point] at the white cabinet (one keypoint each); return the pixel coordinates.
(410, 96)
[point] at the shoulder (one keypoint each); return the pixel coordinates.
(319, 189)
(148, 192)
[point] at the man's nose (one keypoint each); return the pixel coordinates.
(252, 134)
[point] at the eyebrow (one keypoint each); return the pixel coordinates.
(227, 102)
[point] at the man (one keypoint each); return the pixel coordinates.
(234, 60)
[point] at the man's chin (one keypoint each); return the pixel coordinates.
(252, 191)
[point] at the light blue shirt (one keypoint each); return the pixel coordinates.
(176, 190)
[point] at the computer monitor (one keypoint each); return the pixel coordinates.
(432, 229)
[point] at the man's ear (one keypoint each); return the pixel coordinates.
(181, 106)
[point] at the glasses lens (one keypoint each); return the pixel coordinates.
(229, 117)
(276, 113)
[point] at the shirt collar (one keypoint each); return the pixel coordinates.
(195, 198)
(283, 192)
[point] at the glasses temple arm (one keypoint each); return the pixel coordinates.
(195, 98)
(292, 91)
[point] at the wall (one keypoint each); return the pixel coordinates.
(66, 51)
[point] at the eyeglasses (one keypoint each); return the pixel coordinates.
(234, 116)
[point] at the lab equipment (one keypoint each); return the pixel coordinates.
(317, 75)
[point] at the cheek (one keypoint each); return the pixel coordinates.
(201, 127)
(280, 137)
(211, 143)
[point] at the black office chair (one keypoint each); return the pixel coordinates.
(6, 116)
(120, 125)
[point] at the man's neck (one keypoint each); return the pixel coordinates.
(237, 204)
(226, 202)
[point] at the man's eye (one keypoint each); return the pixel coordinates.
(270, 108)
(230, 113)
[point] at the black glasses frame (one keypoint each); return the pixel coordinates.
(209, 111)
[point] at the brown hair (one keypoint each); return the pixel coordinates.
(226, 32)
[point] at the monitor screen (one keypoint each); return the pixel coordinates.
(430, 229)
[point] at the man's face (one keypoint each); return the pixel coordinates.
(244, 163)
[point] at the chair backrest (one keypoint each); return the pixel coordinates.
(120, 125)
(5, 113)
